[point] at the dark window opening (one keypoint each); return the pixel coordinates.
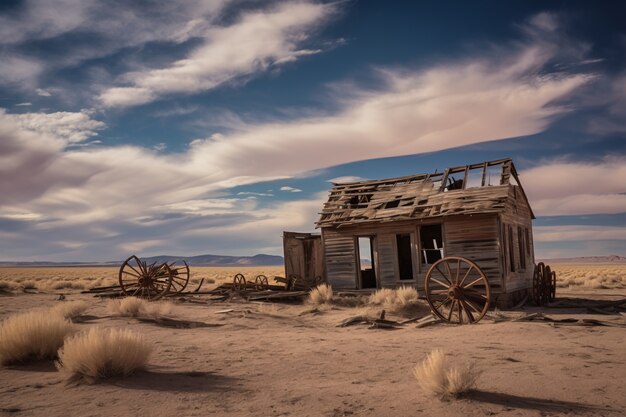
(522, 248)
(394, 203)
(366, 262)
(527, 241)
(431, 240)
(511, 249)
(360, 201)
(405, 258)
(454, 184)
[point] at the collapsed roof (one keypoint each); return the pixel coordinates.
(470, 189)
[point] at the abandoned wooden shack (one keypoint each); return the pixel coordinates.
(387, 233)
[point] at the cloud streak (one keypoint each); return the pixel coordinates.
(257, 41)
(568, 188)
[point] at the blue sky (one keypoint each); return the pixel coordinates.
(199, 127)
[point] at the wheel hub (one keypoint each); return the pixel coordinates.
(455, 292)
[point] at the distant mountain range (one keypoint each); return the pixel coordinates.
(200, 260)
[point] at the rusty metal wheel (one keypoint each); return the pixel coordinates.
(138, 279)
(457, 290)
(180, 277)
(538, 283)
(261, 283)
(239, 282)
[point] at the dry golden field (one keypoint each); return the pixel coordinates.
(80, 278)
(597, 276)
(574, 276)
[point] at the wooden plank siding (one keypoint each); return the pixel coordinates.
(340, 258)
(477, 239)
(474, 237)
(517, 215)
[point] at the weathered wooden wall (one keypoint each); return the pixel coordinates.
(340, 258)
(517, 214)
(474, 237)
(304, 255)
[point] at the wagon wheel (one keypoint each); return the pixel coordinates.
(239, 282)
(261, 283)
(538, 283)
(553, 292)
(547, 285)
(147, 281)
(457, 290)
(180, 277)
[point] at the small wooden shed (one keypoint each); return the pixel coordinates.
(388, 233)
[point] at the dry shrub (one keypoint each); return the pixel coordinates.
(6, 287)
(435, 376)
(32, 335)
(400, 300)
(61, 285)
(135, 307)
(70, 309)
(99, 353)
(29, 285)
(321, 294)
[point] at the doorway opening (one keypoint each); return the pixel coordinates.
(366, 262)
(405, 256)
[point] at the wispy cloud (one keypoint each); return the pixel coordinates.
(290, 189)
(347, 178)
(568, 187)
(256, 42)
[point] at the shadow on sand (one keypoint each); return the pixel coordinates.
(531, 403)
(177, 381)
(36, 366)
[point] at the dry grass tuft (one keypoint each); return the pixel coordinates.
(322, 294)
(70, 309)
(6, 287)
(399, 301)
(32, 335)
(434, 376)
(135, 307)
(99, 353)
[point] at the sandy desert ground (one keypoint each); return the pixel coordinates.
(273, 360)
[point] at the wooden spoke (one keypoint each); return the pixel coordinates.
(451, 310)
(468, 313)
(440, 283)
(476, 281)
(464, 302)
(466, 275)
(449, 271)
(436, 265)
(442, 303)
